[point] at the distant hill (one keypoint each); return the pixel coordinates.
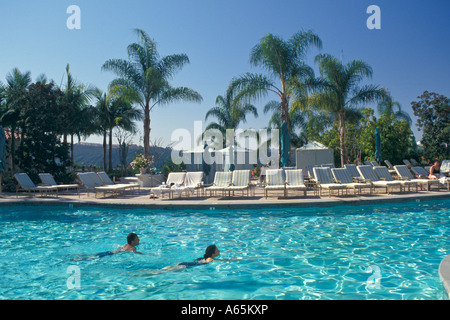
(92, 154)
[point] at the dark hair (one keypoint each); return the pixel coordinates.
(209, 251)
(131, 237)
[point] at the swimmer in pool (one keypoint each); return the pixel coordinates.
(210, 255)
(130, 246)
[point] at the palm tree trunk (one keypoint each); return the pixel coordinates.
(147, 131)
(284, 117)
(13, 149)
(104, 150)
(110, 149)
(342, 139)
(71, 150)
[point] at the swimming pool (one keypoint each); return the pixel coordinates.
(387, 251)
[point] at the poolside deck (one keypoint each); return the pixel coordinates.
(142, 198)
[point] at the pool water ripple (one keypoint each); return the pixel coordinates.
(287, 253)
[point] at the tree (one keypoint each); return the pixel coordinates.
(337, 91)
(114, 110)
(387, 107)
(76, 99)
(41, 148)
(284, 61)
(433, 112)
(397, 139)
(229, 112)
(146, 76)
(16, 87)
(296, 121)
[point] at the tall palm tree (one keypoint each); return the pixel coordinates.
(284, 61)
(230, 113)
(296, 121)
(387, 107)
(146, 76)
(16, 86)
(338, 92)
(76, 99)
(114, 111)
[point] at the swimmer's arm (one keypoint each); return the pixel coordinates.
(232, 259)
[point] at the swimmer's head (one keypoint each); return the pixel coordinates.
(211, 252)
(133, 239)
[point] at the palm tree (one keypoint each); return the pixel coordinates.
(146, 76)
(338, 92)
(387, 107)
(76, 99)
(230, 113)
(296, 120)
(114, 111)
(16, 86)
(284, 61)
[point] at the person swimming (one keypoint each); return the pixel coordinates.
(130, 246)
(210, 255)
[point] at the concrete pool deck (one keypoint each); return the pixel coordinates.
(256, 199)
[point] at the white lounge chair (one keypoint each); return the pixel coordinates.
(353, 171)
(192, 181)
(240, 181)
(390, 167)
(91, 181)
(174, 179)
(26, 184)
(48, 180)
(404, 173)
(310, 170)
(275, 181)
(324, 180)
(384, 174)
(221, 181)
(341, 175)
(368, 173)
(295, 181)
(108, 182)
(407, 163)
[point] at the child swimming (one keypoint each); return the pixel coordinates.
(210, 255)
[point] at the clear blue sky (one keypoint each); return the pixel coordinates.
(409, 54)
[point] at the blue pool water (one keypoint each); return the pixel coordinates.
(389, 251)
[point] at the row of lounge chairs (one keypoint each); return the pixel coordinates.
(98, 182)
(49, 185)
(179, 183)
(188, 182)
(359, 177)
(340, 180)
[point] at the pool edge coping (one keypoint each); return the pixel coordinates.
(444, 274)
(239, 203)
